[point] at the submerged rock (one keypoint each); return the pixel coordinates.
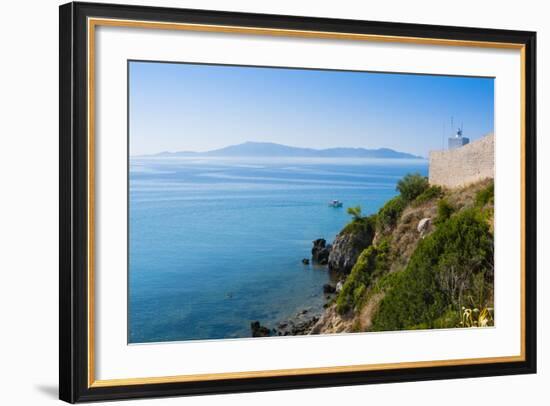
(258, 330)
(320, 251)
(305, 261)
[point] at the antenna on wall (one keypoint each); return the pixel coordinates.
(452, 125)
(443, 137)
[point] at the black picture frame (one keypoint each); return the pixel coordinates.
(73, 255)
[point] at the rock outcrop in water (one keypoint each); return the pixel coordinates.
(349, 243)
(320, 251)
(258, 330)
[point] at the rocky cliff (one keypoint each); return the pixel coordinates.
(349, 244)
(375, 257)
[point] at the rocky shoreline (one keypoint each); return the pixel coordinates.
(336, 257)
(301, 323)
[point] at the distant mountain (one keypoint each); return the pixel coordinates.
(269, 149)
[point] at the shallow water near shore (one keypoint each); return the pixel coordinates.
(215, 244)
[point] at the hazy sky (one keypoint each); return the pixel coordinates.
(189, 107)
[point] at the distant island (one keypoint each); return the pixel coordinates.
(269, 149)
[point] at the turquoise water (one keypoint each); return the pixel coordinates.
(217, 243)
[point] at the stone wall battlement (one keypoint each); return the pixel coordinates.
(461, 166)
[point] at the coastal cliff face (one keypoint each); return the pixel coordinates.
(418, 267)
(331, 322)
(349, 244)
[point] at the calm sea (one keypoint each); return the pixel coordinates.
(218, 243)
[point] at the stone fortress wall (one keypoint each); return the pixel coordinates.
(461, 166)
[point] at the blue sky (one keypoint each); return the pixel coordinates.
(189, 107)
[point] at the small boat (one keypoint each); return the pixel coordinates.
(335, 203)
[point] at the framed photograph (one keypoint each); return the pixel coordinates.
(256, 202)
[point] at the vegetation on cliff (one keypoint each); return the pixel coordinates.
(412, 186)
(351, 241)
(370, 263)
(451, 268)
(429, 265)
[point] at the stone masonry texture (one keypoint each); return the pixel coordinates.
(461, 166)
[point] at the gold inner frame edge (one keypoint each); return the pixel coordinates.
(94, 22)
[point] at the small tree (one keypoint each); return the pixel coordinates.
(355, 212)
(412, 185)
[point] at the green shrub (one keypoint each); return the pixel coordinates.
(448, 267)
(486, 195)
(432, 192)
(370, 263)
(385, 282)
(361, 225)
(389, 213)
(449, 319)
(444, 211)
(411, 186)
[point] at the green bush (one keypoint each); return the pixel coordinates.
(432, 192)
(444, 211)
(389, 213)
(385, 282)
(411, 186)
(361, 225)
(447, 269)
(449, 319)
(370, 264)
(486, 195)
